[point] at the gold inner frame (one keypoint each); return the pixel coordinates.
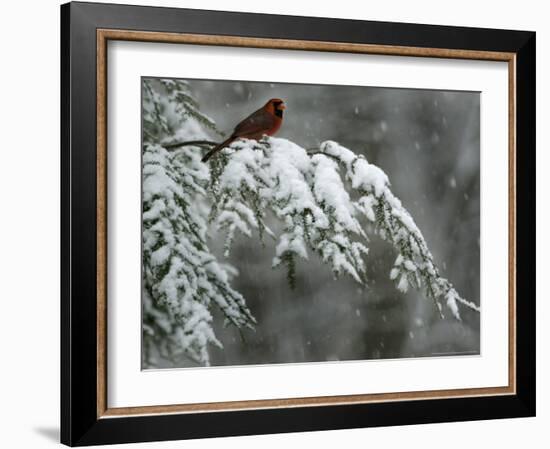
(104, 35)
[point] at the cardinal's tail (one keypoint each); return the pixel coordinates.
(217, 148)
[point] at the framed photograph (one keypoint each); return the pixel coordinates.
(280, 224)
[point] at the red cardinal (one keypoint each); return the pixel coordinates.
(266, 120)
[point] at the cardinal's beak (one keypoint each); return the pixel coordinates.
(282, 106)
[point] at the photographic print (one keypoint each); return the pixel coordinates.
(293, 223)
(331, 229)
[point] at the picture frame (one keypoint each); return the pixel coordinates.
(86, 30)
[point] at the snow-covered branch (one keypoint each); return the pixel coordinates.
(182, 279)
(414, 265)
(321, 199)
(180, 273)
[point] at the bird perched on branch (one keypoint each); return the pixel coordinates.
(265, 121)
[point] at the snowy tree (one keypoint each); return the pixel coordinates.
(181, 277)
(327, 201)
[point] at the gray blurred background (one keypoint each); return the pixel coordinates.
(428, 144)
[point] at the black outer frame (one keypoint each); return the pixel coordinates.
(79, 422)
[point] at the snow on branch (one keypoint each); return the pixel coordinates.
(310, 195)
(180, 272)
(414, 264)
(182, 279)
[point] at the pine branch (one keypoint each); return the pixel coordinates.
(309, 192)
(176, 145)
(181, 275)
(182, 278)
(313, 152)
